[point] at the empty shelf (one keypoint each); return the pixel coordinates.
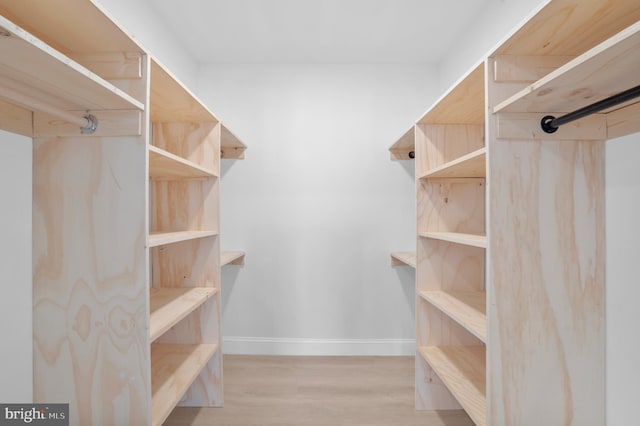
(161, 238)
(467, 308)
(165, 165)
(607, 69)
(462, 370)
(168, 306)
(232, 258)
(37, 71)
(402, 258)
(472, 165)
(174, 367)
(457, 237)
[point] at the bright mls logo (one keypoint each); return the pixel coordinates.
(36, 414)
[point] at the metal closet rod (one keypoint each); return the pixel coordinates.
(88, 123)
(550, 124)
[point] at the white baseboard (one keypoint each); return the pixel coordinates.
(304, 347)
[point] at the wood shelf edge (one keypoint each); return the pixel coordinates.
(158, 238)
(462, 307)
(403, 258)
(459, 168)
(473, 240)
(160, 161)
(228, 257)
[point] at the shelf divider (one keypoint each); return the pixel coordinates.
(462, 370)
(158, 238)
(168, 306)
(174, 367)
(467, 308)
(165, 165)
(458, 237)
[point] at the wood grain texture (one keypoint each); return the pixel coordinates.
(403, 258)
(513, 68)
(402, 147)
(570, 27)
(458, 238)
(623, 121)
(168, 306)
(462, 104)
(111, 65)
(195, 142)
(527, 126)
(110, 123)
(461, 368)
(66, 84)
(472, 165)
(605, 70)
(231, 258)
(16, 119)
(165, 165)
(546, 319)
(159, 238)
(467, 308)
(441, 144)
(317, 391)
(89, 287)
(174, 368)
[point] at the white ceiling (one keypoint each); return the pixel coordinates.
(317, 31)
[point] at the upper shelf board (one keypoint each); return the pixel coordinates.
(403, 258)
(172, 102)
(165, 165)
(402, 148)
(472, 165)
(608, 69)
(230, 145)
(462, 104)
(65, 84)
(231, 258)
(458, 238)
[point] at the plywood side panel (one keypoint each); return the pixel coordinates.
(546, 319)
(90, 278)
(444, 143)
(16, 119)
(185, 205)
(193, 263)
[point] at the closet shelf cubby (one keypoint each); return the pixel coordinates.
(169, 305)
(467, 308)
(403, 258)
(165, 165)
(404, 148)
(458, 238)
(462, 370)
(231, 258)
(472, 165)
(173, 368)
(159, 238)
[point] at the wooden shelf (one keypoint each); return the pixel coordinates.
(172, 102)
(607, 69)
(457, 237)
(462, 104)
(402, 147)
(173, 368)
(231, 258)
(168, 306)
(231, 147)
(467, 308)
(403, 258)
(472, 165)
(161, 238)
(66, 85)
(462, 370)
(165, 165)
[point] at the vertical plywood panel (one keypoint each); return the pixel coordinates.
(547, 298)
(445, 142)
(90, 278)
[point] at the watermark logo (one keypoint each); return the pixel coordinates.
(34, 414)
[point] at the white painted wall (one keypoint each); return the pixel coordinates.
(317, 205)
(138, 19)
(16, 376)
(623, 282)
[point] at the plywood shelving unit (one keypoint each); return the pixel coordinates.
(509, 276)
(403, 258)
(232, 258)
(126, 251)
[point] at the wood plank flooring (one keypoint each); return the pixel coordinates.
(314, 391)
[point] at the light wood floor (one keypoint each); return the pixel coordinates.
(327, 391)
